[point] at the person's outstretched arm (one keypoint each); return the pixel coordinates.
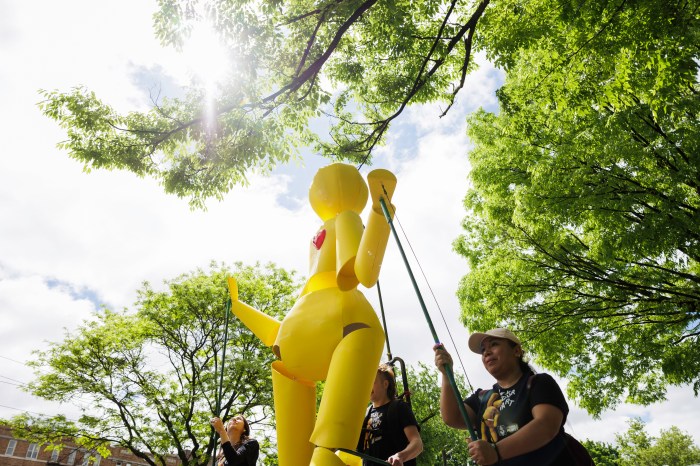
(218, 426)
(449, 409)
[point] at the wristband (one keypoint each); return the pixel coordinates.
(498, 453)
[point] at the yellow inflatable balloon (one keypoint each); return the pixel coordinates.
(332, 333)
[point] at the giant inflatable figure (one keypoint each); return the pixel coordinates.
(332, 333)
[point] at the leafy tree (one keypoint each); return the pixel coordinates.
(150, 380)
(437, 437)
(673, 446)
(603, 454)
(583, 218)
(361, 62)
(633, 442)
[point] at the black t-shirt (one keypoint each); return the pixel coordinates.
(383, 433)
(243, 454)
(503, 411)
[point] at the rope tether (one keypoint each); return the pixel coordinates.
(437, 304)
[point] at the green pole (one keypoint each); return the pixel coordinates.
(220, 393)
(386, 329)
(365, 457)
(223, 359)
(448, 369)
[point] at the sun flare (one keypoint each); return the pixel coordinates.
(205, 55)
(207, 60)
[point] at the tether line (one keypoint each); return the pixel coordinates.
(442, 315)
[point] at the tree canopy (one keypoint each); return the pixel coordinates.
(150, 380)
(603, 454)
(440, 442)
(583, 218)
(636, 447)
(673, 446)
(358, 63)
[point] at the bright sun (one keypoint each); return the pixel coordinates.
(207, 60)
(205, 56)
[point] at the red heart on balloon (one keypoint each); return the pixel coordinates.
(318, 239)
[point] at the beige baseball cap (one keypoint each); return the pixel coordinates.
(476, 338)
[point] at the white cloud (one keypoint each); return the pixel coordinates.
(40, 308)
(33, 315)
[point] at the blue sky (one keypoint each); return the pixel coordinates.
(70, 241)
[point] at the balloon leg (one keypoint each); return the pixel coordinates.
(348, 386)
(295, 412)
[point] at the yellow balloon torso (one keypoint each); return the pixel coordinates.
(322, 260)
(315, 326)
(324, 313)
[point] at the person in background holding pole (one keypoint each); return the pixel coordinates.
(237, 447)
(520, 421)
(390, 430)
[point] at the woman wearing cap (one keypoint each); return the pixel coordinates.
(237, 448)
(520, 421)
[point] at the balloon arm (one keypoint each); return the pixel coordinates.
(375, 237)
(382, 184)
(348, 234)
(264, 327)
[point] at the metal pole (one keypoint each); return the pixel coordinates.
(220, 393)
(223, 358)
(386, 329)
(365, 457)
(448, 369)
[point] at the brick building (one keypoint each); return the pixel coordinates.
(16, 452)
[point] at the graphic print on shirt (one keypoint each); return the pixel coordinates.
(373, 433)
(500, 416)
(508, 401)
(507, 398)
(490, 418)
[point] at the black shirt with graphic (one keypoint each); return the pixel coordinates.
(503, 411)
(383, 433)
